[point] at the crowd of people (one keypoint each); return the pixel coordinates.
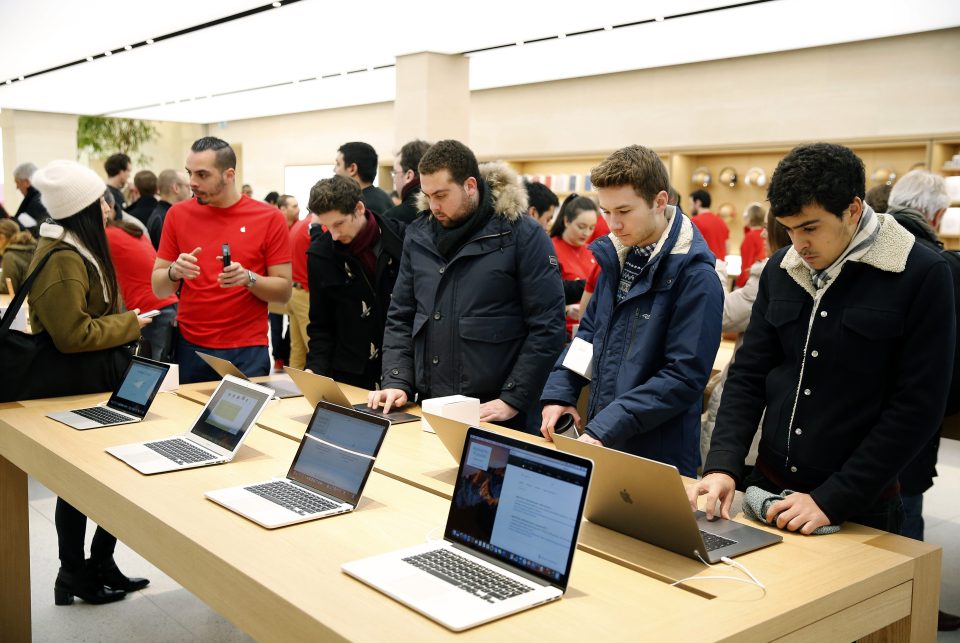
(470, 281)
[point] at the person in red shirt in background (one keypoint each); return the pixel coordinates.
(601, 230)
(223, 309)
(712, 227)
(298, 308)
(570, 232)
(133, 258)
(752, 248)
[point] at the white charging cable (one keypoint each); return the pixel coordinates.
(753, 580)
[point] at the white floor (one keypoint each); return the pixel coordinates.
(164, 611)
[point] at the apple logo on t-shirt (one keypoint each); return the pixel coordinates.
(243, 228)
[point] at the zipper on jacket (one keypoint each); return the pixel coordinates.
(803, 364)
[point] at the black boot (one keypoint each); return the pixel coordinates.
(110, 575)
(85, 584)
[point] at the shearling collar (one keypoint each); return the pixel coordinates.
(507, 194)
(889, 253)
(680, 247)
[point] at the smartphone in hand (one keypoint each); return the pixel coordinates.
(225, 253)
(149, 314)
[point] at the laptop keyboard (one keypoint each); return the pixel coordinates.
(292, 497)
(102, 415)
(470, 577)
(180, 451)
(713, 541)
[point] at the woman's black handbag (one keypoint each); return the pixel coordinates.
(32, 367)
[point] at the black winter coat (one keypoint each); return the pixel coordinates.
(347, 309)
(848, 406)
(488, 323)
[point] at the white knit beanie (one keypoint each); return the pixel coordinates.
(66, 187)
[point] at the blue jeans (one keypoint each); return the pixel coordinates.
(912, 516)
(159, 332)
(251, 360)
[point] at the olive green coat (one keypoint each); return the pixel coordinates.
(67, 301)
(16, 260)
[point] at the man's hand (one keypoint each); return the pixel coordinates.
(496, 411)
(590, 440)
(233, 275)
(186, 266)
(717, 487)
(797, 512)
(388, 398)
(551, 413)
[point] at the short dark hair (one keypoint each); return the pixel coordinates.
(636, 166)
(336, 193)
(273, 198)
(116, 163)
(146, 182)
(540, 197)
(702, 196)
(878, 197)
(226, 158)
(453, 156)
(411, 153)
(364, 156)
(821, 174)
(283, 199)
(572, 206)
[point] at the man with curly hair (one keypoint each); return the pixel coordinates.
(845, 359)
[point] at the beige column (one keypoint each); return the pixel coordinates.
(39, 137)
(433, 98)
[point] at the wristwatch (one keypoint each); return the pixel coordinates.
(251, 279)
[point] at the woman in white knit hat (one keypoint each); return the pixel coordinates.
(76, 300)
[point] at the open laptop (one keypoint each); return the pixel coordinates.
(326, 477)
(509, 540)
(224, 367)
(130, 400)
(216, 436)
(320, 387)
(647, 500)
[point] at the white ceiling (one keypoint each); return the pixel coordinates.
(273, 62)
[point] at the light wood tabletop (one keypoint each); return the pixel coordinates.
(286, 584)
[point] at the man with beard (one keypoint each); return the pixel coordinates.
(477, 307)
(223, 308)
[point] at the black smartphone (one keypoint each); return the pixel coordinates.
(225, 253)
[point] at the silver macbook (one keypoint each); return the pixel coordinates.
(647, 500)
(509, 541)
(327, 476)
(216, 436)
(320, 387)
(129, 403)
(224, 367)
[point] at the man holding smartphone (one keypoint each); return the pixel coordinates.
(223, 297)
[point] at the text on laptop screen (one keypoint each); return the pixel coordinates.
(228, 414)
(346, 431)
(138, 387)
(518, 506)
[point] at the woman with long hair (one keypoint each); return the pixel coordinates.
(76, 300)
(570, 233)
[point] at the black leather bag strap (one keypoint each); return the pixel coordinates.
(10, 314)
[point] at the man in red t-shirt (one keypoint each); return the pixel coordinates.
(223, 309)
(712, 227)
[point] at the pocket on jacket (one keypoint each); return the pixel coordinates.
(488, 349)
(867, 338)
(781, 312)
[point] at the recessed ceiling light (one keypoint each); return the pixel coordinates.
(562, 36)
(276, 5)
(9, 81)
(608, 28)
(659, 18)
(519, 43)
(21, 78)
(108, 53)
(127, 47)
(89, 59)
(149, 41)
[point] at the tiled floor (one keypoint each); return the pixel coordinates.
(164, 611)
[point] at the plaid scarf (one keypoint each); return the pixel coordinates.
(863, 238)
(636, 259)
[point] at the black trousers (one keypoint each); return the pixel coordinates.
(71, 529)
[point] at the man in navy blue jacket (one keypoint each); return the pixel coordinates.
(654, 321)
(847, 358)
